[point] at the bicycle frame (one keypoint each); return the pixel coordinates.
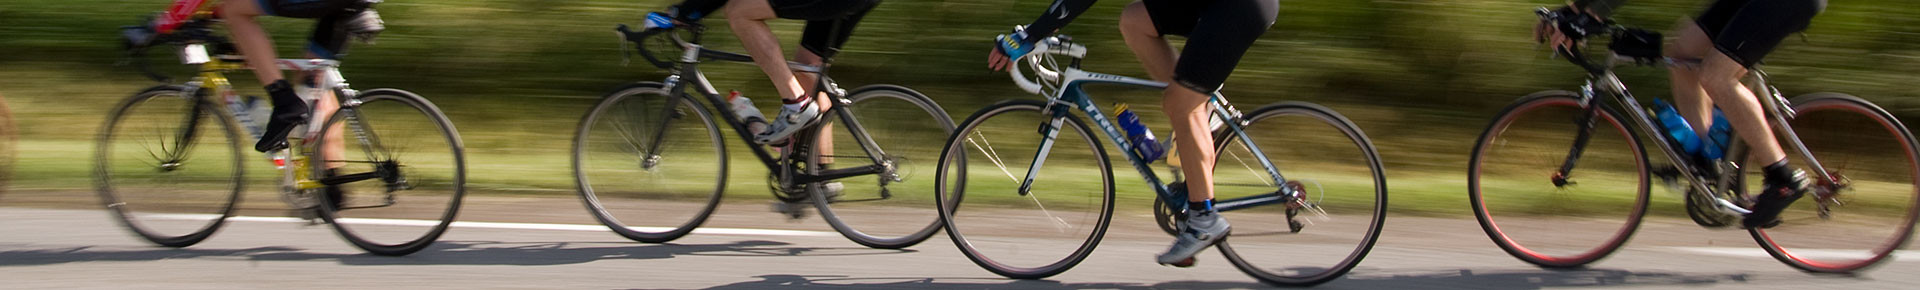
(1605, 84)
(295, 166)
(1070, 95)
(679, 82)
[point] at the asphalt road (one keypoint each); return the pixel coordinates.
(555, 245)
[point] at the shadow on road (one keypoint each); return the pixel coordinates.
(446, 253)
(1449, 279)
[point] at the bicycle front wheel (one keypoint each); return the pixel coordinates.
(1045, 229)
(400, 167)
(650, 172)
(1533, 212)
(168, 166)
(894, 208)
(1340, 206)
(1857, 222)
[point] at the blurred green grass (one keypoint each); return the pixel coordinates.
(1421, 77)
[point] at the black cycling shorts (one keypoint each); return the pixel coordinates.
(829, 22)
(329, 38)
(1746, 30)
(1218, 33)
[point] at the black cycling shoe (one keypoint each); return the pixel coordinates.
(1780, 193)
(288, 111)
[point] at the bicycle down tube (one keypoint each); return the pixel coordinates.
(678, 85)
(1072, 95)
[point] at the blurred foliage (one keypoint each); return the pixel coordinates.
(1421, 76)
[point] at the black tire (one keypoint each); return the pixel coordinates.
(419, 166)
(1879, 203)
(184, 206)
(1548, 203)
(910, 142)
(1345, 152)
(619, 179)
(953, 186)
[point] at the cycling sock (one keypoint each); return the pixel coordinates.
(1206, 205)
(796, 103)
(1778, 172)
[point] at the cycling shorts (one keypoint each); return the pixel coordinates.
(1746, 30)
(1218, 33)
(329, 38)
(829, 22)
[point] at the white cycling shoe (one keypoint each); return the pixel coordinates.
(789, 121)
(1202, 229)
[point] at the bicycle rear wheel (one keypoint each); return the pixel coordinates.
(1520, 199)
(1339, 212)
(1871, 211)
(893, 209)
(648, 172)
(168, 166)
(402, 170)
(1024, 235)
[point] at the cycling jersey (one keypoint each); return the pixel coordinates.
(1218, 32)
(1744, 30)
(829, 22)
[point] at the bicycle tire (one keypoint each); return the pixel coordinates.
(405, 179)
(591, 195)
(1826, 245)
(1299, 275)
(128, 209)
(1553, 156)
(949, 195)
(899, 158)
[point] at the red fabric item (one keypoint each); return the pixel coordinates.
(177, 14)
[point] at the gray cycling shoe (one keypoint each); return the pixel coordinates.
(1202, 229)
(787, 122)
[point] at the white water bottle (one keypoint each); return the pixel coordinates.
(744, 109)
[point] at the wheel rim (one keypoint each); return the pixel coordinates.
(1540, 223)
(657, 203)
(170, 192)
(1008, 234)
(1334, 165)
(1879, 206)
(421, 170)
(910, 133)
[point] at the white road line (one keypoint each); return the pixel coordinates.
(1756, 252)
(515, 226)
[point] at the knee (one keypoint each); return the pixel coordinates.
(1692, 43)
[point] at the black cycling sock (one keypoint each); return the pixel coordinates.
(1777, 172)
(288, 110)
(1206, 205)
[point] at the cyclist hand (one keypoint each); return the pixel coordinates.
(1009, 48)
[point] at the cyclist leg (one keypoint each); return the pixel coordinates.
(821, 39)
(1148, 45)
(1691, 100)
(1218, 34)
(1748, 36)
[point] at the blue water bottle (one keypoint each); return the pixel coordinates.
(1718, 136)
(1143, 141)
(1677, 129)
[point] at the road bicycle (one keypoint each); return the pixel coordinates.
(651, 163)
(170, 167)
(1309, 226)
(1560, 179)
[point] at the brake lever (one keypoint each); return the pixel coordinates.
(626, 55)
